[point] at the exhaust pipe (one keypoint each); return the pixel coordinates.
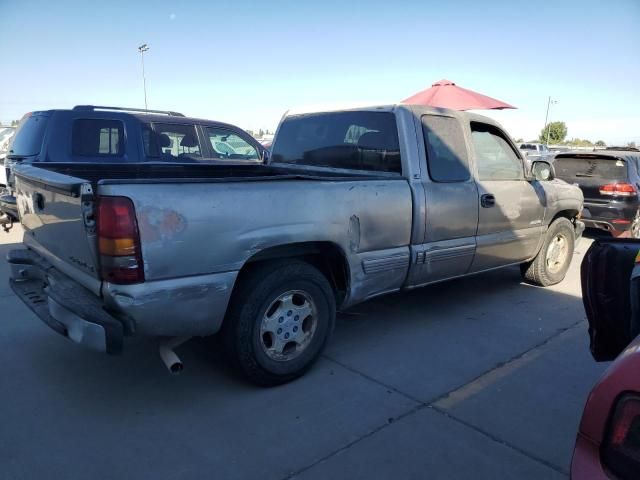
(169, 357)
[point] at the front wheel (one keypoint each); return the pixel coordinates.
(279, 321)
(552, 262)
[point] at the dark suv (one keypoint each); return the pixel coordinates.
(95, 134)
(610, 182)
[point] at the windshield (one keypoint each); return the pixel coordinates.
(602, 168)
(29, 135)
(527, 146)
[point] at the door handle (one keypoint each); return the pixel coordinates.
(487, 200)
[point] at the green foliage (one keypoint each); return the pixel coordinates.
(14, 122)
(579, 142)
(556, 131)
(631, 144)
(600, 143)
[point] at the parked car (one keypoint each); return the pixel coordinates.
(352, 204)
(96, 135)
(609, 181)
(608, 440)
(536, 151)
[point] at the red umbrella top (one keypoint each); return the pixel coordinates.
(446, 94)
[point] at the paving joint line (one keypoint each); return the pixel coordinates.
(421, 405)
(377, 429)
(500, 365)
(497, 439)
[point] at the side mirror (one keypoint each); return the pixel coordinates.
(266, 155)
(542, 171)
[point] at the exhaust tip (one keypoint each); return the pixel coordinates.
(176, 368)
(168, 355)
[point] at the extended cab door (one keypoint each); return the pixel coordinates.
(451, 203)
(511, 210)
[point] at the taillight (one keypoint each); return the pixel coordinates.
(618, 190)
(119, 241)
(621, 448)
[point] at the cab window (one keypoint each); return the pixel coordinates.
(228, 145)
(495, 157)
(175, 141)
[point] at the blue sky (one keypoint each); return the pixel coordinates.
(247, 62)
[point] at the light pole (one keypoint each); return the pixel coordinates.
(143, 48)
(546, 118)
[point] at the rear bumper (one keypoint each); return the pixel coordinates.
(613, 217)
(63, 304)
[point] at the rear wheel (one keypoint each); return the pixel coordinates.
(279, 321)
(635, 226)
(552, 262)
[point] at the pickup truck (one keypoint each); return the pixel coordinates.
(536, 151)
(350, 205)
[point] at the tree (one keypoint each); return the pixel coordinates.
(14, 122)
(557, 132)
(631, 144)
(600, 143)
(518, 140)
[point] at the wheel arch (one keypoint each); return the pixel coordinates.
(569, 213)
(328, 257)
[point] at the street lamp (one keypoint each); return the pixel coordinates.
(143, 48)
(546, 118)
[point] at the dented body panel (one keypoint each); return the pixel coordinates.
(200, 230)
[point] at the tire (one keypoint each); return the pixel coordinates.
(634, 231)
(268, 305)
(552, 262)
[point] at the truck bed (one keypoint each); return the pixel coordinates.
(115, 173)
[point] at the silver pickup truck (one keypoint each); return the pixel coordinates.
(352, 204)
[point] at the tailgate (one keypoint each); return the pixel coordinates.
(590, 172)
(57, 213)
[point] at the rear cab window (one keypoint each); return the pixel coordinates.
(29, 135)
(358, 140)
(97, 138)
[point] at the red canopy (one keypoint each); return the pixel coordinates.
(446, 94)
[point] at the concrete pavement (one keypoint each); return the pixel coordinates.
(482, 377)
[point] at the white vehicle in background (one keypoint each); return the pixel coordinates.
(535, 151)
(6, 134)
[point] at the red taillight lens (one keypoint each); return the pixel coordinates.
(618, 190)
(119, 241)
(621, 448)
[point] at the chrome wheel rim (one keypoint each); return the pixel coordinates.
(288, 325)
(557, 253)
(635, 226)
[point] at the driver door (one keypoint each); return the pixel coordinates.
(511, 210)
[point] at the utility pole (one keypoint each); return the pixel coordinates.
(143, 48)
(546, 118)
